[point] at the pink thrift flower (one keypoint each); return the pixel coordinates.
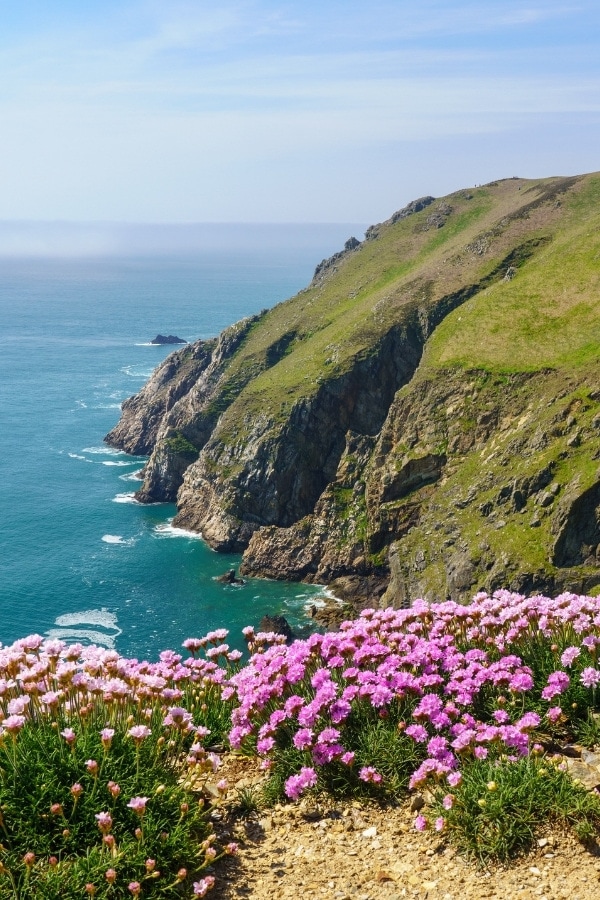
(554, 714)
(420, 823)
(134, 887)
(139, 732)
(69, 736)
(202, 887)
(440, 823)
(111, 876)
(104, 820)
(106, 736)
(138, 805)
(113, 789)
(590, 677)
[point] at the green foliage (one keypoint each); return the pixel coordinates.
(499, 807)
(178, 443)
(50, 794)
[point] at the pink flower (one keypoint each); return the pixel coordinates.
(135, 887)
(202, 887)
(554, 714)
(369, 774)
(569, 656)
(440, 823)
(104, 820)
(590, 677)
(113, 788)
(69, 736)
(111, 876)
(420, 823)
(106, 736)
(448, 801)
(92, 767)
(139, 732)
(297, 784)
(76, 790)
(138, 805)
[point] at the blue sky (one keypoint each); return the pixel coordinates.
(267, 111)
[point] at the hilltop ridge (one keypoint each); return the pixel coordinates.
(423, 419)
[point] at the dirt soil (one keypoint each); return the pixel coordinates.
(358, 851)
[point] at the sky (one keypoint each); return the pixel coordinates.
(166, 111)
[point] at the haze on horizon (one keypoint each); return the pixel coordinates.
(149, 111)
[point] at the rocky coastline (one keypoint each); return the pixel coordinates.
(360, 434)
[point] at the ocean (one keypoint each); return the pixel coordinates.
(80, 560)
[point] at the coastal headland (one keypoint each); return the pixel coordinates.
(422, 420)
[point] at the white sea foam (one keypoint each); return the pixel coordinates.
(132, 462)
(147, 344)
(116, 539)
(137, 371)
(79, 456)
(104, 451)
(81, 404)
(125, 498)
(132, 476)
(83, 636)
(107, 406)
(100, 618)
(168, 531)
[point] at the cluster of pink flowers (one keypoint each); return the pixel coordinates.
(77, 691)
(42, 680)
(453, 676)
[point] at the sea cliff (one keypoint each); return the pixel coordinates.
(422, 420)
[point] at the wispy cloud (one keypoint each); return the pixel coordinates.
(133, 96)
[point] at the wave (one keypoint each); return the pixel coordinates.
(126, 498)
(104, 451)
(79, 456)
(137, 371)
(132, 476)
(116, 539)
(107, 406)
(132, 462)
(167, 530)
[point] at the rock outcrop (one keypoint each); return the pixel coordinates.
(422, 420)
(167, 339)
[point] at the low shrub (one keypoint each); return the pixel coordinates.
(419, 697)
(101, 761)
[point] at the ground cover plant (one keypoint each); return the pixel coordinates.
(440, 696)
(101, 759)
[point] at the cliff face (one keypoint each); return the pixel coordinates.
(424, 414)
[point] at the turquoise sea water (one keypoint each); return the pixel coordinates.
(78, 559)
